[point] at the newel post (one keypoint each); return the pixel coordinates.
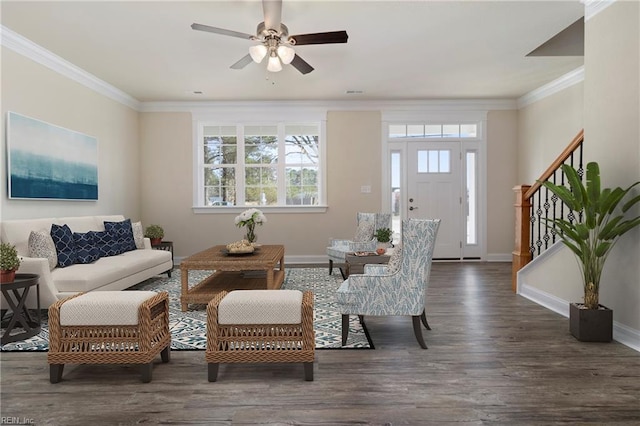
(521, 253)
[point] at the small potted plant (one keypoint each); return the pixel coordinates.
(155, 233)
(383, 236)
(9, 262)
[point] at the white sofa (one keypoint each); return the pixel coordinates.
(107, 273)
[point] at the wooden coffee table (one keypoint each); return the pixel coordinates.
(232, 272)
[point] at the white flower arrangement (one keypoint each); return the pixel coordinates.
(249, 217)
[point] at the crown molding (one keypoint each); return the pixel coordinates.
(25, 47)
(569, 79)
(593, 7)
(335, 105)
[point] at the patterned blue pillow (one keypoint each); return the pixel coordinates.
(106, 244)
(65, 247)
(86, 250)
(123, 234)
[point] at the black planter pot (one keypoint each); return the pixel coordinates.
(591, 325)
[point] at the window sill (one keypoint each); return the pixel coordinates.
(264, 209)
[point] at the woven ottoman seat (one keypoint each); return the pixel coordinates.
(109, 327)
(260, 326)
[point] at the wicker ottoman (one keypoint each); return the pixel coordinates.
(109, 327)
(260, 326)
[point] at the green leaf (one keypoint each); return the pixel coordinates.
(603, 248)
(605, 232)
(593, 185)
(577, 189)
(583, 230)
(630, 203)
(625, 226)
(564, 194)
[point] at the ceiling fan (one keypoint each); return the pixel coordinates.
(275, 42)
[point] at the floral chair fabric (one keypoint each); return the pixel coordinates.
(367, 225)
(381, 292)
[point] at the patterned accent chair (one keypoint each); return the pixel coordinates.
(364, 240)
(384, 291)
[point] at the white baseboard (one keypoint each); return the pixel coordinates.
(621, 333)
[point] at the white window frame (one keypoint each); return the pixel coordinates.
(247, 118)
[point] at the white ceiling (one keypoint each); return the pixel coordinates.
(400, 50)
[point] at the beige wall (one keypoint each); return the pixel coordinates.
(545, 128)
(612, 132)
(36, 91)
(167, 187)
(502, 149)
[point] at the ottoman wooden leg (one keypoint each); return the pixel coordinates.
(146, 370)
(166, 354)
(213, 371)
(308, 371)
(55, 372)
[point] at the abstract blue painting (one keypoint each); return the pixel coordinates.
(48, 162)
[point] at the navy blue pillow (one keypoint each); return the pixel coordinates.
(86, 250)
(65, 247)
(123, 234)
(106, 244)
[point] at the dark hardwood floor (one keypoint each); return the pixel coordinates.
(493, 358)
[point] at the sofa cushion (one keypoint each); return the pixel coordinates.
(106, 244)
(395, 260)
(364, 232)
(123, 234)
(65, 247)
(138, 234)
(41, 245)
(86, 250)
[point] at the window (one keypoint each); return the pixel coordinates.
(275, 164)
(434, 161)
(457, 130)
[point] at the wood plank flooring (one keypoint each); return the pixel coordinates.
(493, 358)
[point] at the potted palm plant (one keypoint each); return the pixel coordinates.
(9, 262)
(155, 233)
(591, 237)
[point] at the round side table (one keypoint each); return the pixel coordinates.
(16, 294)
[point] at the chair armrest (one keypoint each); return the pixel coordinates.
(147, 243)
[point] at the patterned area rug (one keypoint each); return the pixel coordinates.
(188, 329)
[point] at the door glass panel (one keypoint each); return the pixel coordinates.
(433, 161)
(445, 161)
(472, 198)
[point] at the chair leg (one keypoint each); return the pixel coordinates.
(344, 275)
(330, 266)
(345, 328)
(147, 371)
(423, 318)
(308, 371)
(213, 371)
(418, 331)
(166, 354)
(55, 372)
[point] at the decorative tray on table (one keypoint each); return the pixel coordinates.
(365, 253)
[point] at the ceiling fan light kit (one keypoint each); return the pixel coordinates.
(275, 41)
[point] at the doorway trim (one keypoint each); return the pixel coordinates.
(430, 116)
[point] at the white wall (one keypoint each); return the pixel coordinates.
(612, 132)
(33, 90)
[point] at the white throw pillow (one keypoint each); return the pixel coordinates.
(364, 232)
(41, 245)
(395, 260)
(138, 234)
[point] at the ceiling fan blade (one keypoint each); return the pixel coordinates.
(272, 14)
(320, 38)
(246, 60)
(207, 28)
(301, 65)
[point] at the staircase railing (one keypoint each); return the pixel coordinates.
(535, 203)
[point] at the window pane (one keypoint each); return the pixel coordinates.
(451, 131)
(261, 149)
(395, 195)
(301, 149)
(445, 161)
(433, 130)
(423, 165)
(397, 131)
(415, 131)
(469, 130)
(261, 186)
(433, 161)
(302, 188)
(472, 199)
(220, 186)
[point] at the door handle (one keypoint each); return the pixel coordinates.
(413, 208)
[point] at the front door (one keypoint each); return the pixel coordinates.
(434, 190)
